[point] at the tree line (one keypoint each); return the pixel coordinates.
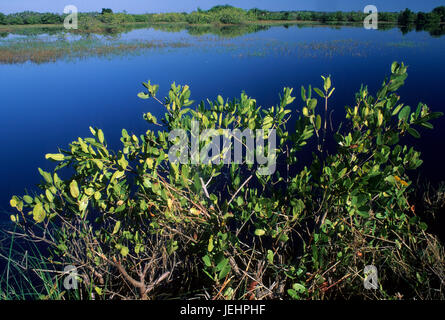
(225, 14)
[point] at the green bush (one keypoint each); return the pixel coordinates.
(199, 18)
(230, 15)
(140, 226)
(168, 17)
(140, 18)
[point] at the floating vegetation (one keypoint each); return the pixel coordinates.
(344, 47)
(305, 49)
(46, 49)
(42, 45)
(405, 44)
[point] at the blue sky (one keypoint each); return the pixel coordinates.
(142, 6)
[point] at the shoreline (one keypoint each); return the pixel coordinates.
(11, 28)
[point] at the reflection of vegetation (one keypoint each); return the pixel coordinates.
(433, 22)
(102, 29)
(228, 31)
(27, 30)
(40, 50)
(434, 30)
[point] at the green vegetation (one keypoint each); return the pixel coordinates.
(137, 225)
(27, 274)
(227, 15)
(40, 50)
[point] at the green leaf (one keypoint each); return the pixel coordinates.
(423, 226)
(98, 290)
(435, 115)
(293, 294)
(143, 95)
(38, 213)
(13, 202)
(260, 232)
(303, 93)
(28, 199)
(327, 84)
(74, 189)
(97, 195)
(414, 132)
(207, 261)
(116, 227)
(49, 195)
(222, 264)
(55, 156)
(312, 104)
(210, 245)
(83, 204)
(46, 176)
(404, 114)
(89, 192)
(124, 251)
(267, 122)
(100, 136)
(270, 256)
(397, 109)
(98, 163)
(379, 118)
(318, 122)
(122, 162)
(319, 92)
(427, 125)
(298, 288)
(117, 175)
(224, 272)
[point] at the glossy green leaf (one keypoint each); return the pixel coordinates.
(74, 189)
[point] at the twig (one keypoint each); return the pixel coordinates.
(204, 187)
(239, 189)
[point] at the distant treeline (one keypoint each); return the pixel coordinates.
(226, 15)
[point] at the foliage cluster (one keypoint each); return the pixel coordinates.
(140, 226)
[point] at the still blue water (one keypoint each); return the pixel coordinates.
(45, 106)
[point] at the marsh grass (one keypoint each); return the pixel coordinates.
(40, 50)
(49, 44)
(405, 44)
(26, 271)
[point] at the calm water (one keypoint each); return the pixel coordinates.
(48, 105)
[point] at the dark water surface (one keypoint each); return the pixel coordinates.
(49, 104)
